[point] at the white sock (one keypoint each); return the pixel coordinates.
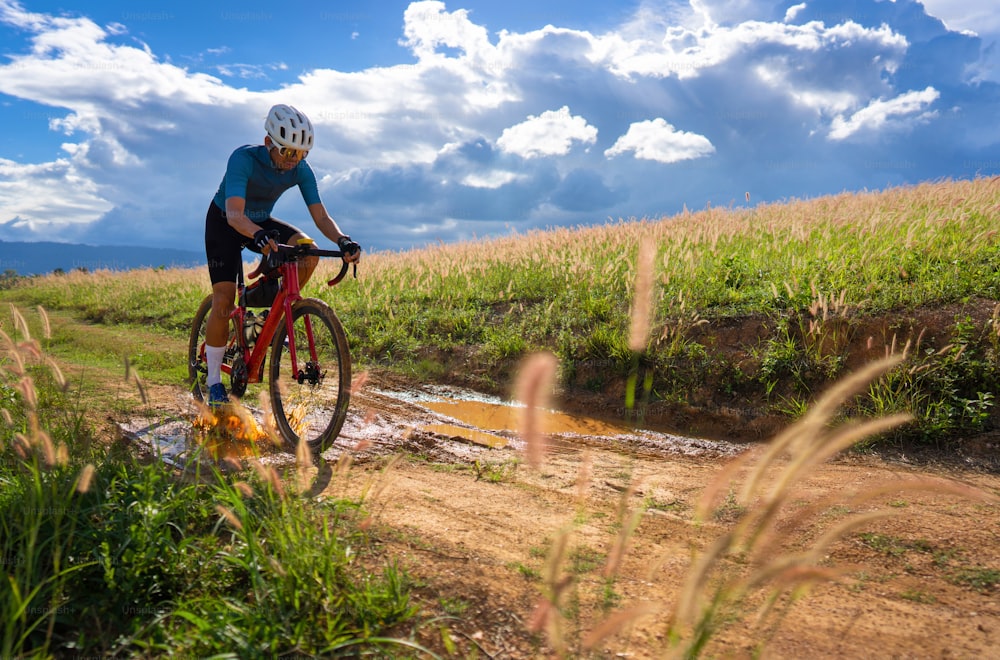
(214, 355)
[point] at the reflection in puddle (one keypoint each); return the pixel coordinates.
(492, 422)
(491, 416)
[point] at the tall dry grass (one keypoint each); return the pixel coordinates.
(750, 561)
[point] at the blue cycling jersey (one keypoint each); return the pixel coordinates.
(250, 174)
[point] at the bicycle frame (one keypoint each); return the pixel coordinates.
(288, 294)
(280, 310)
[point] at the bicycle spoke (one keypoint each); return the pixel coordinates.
(309, 399)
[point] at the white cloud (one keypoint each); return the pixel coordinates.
(492, 180)
(550, 134)
(687, 53)
(660, 141)
(978, 16)
(44, 197)
(427, 25)
(900, 112)
(793, 11)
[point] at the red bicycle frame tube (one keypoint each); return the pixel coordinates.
(287, 295)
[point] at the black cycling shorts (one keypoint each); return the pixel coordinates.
(224, 245)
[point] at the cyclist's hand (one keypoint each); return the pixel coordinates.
(264, 238)
(351, 250)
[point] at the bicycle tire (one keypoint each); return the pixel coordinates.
(197, 368)
(311, 405)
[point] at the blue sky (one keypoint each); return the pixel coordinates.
(449, 121)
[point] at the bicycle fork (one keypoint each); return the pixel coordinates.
(311, 373)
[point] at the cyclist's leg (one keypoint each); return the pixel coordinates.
(289, 234)
(223, 247)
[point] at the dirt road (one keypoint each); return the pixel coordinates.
(476, 527)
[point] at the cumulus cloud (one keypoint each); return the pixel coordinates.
(660, 141)
(552, 133)
(900, 112)
(793, 11)
(56, 192)
(473, 132)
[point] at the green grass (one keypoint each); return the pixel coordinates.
(979, 578)
(143, 564)
(104, 554)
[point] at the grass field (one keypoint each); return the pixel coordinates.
(814, 277)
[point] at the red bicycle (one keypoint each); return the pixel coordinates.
(310, 367)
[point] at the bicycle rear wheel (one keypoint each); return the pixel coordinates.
(310, 404)
(197, 366)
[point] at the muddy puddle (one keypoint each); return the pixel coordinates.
(441, 423)
(492, 422)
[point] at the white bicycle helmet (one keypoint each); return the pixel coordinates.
(288, 127)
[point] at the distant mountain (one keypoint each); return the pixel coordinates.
(45, 257)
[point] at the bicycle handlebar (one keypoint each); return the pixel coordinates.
(293, 253)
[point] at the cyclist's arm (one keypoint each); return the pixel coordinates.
(325, 223)
(236, 216)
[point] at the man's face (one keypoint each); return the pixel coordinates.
(283, 157)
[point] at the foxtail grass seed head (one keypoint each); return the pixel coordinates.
(277, 567)
(20, 323)
(86, 476)
(46, 326)
(270, 426)
(62, 454)
(359, 381)
(22, 446)
(642, 303)
(27, 387)
(303, 455)
(232, 463)
(229, 516)
(275, 480)
(244, 489)
(303, 464)
(617, 623)
(57, 373)
(532, 388)
(48, 449)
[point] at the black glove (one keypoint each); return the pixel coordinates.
(347, 246)
(263, 237)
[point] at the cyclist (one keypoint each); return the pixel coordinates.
(240, 216)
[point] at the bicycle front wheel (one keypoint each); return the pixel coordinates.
(309, 399)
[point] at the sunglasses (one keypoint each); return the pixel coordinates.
(288, 152)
